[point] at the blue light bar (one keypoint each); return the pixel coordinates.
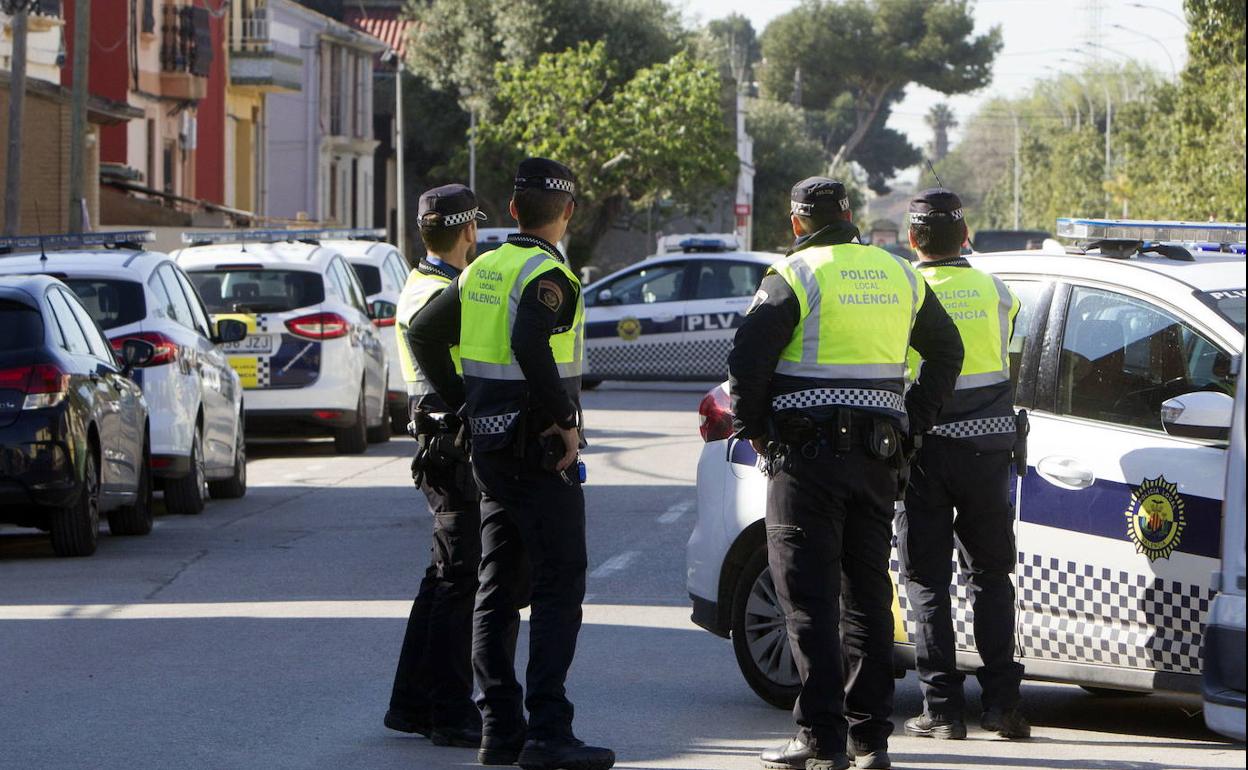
(704, 244)
(67, 241)
(1152, 231)
(259, 236)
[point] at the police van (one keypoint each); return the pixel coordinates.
(672, 316)
(1124, 355)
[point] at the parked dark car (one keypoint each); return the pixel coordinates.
(74, 438)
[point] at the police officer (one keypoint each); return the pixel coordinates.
(818, 386)
(432, 692)
(964, 465)
(518, 316)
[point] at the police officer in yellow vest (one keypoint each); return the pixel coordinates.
(432, 693)
(818, 386)
(518, 317)
(964, 466)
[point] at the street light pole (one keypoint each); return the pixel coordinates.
(472, 148)
(78, 116)
(1174, 72)
(1018, 174)
(399, 193)
(17, 101)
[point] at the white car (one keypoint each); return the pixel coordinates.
(671, 317)
(194, 397)
(490, 238)
(313, 363)
(382, 271)
(1125, 367)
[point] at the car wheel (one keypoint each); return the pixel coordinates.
(236, 485)
(353, 439)
(759, 637)
(75, 528)
(136, 519)
(589, 383)
(186, 495)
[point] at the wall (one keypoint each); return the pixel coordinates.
(210, 155)
(292, 122)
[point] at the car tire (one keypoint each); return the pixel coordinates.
(75, 528)
(353, 439)
(590, 383)
(185, 495)
(236, 485)
(759, 637)
(136, 519)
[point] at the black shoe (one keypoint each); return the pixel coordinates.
(1009, 724)
(924, 726)
(875, 759)
(564, 755)
(462, 736)
(495, 751)
(406, 722)
(798, 755)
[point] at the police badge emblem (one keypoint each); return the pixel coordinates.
(1155, 518)
(629, 329)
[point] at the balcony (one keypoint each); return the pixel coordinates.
(255, 61)
(185, 51)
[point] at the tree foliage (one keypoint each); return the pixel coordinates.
(784, 153)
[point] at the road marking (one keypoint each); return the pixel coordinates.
(615, 564)
(674, 513)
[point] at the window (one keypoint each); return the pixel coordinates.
(399, 269)
(354, 293)
(111, 303)
(199, 317)
(179, 308)
(661, 283)
(1029, 294)
(21, 327)
(74, 340)
(369, 276)
(1121, 358)
(258, 291)
(95, 340)
(722, 279)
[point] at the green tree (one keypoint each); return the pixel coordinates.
(660, 135)
(940, 119)
(784, 153)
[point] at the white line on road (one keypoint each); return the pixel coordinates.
(615, 564)
(674, 513)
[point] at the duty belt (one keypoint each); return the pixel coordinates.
(851, 397)
(493, 425)
(984, 426)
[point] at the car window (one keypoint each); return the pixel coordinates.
(1029, 294)
(179, 308)
(21, 326)
(95, 340)
(723, 278)
(369, 276)
(355, 294)
(258, 291)
(649, 285)
(200, 317)
(399, 268)
(110, 302)
(74, 340)
(1122, 357)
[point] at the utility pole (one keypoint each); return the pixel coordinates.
(78, 116)
(17, 100)
(472, 148)
(401, 201)
(1018, 175)
(1109, 130)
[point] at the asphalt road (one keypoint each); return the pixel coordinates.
(263, 633)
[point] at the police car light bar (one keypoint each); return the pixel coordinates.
(259, 236)
(1205, 234)
(704, 244)
(67, 241)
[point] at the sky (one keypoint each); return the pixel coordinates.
(1042, 37)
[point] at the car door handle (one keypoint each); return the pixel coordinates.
(1065, 472)
(662, 319)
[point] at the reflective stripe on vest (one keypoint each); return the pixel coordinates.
(858, 305)
(850, 397)
(984, 426)
(417, 292)
(490, 291)
(983, 309)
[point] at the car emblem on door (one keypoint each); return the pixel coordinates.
(1155, 518)
(629, 329)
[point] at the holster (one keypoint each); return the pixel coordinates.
(442, 448)
(1022, 427)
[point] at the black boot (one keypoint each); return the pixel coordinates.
(1009, 724)
(567, 754)
(465, 736)
(872, 758)
(500, 751)
(406, 722)
(797, 754)
(925, 726)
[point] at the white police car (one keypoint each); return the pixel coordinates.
(1123, 358)
(382, 271)
(671, 317)
(312, 363)
(195, 398)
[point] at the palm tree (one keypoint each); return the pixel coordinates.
(940, 119)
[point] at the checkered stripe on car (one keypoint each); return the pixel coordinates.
(640, 359)
(862, 397)
(264, 373)
(1090, 614)
(492, 425)
(986, 426)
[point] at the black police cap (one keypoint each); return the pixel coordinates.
(936, 204)
(545, 174)
(450, 205)
(818, 196)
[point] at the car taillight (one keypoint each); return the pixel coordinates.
(44, 384)
(383, 322)
(166, 348)
(715, 415)
(319, 326)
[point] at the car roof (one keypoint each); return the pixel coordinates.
(286, 255)
(1209, 271)
(86, 262)
(356, 249)
(32, 285)
(765, 258)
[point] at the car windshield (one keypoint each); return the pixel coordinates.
(1228, 302)
(370, 277)
(258, 291)
(21, 327)
(111, 303)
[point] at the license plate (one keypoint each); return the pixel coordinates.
(259, 344)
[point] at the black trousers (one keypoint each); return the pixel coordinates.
(433, 682)
(829, 537)
(950, 475)
(533, 552)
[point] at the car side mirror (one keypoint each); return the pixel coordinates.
(382, 312)
(136, 353)
(1203, 414)
(229, 330)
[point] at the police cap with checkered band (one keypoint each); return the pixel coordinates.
(449, 206)
(819, 197)
(935, 205)
(545, 174)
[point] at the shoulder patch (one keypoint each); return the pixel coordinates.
(759, 298)
(550, 294)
